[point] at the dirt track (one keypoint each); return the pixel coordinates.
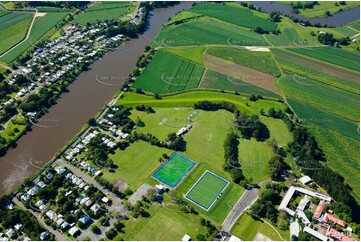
(243, 73)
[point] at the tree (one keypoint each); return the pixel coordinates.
(95, 229)
(111, 233)
(328, 13)
(326, 39)
(200, 237)
(91, 121)
(275, 16)
(259, 30)
(156, 96)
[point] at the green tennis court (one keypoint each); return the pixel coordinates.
(173, 171)
(207, 190)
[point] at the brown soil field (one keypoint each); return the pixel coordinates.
(321, 66)
(245, 74)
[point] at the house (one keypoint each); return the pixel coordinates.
(186, 237)
(319, 209)
(314, 233)
(41, 184)
(51, 214)
(25, 197)
(88, 203)
(105, 200)
(95, 207)
(305, 180)
(10, 233)
(44, 236)
(159, 188)
(49, 176)
(84, 219)
(18, 226)
(328, 217)
(73, 231)
(64, 225)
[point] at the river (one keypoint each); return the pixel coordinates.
(87, 95)
(338, 19)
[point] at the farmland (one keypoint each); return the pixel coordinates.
(13, 34)
(261, 61)
(238, 72)
(42, 25)
(288, 37)
(332, 55)
(206, 32)
(216, 80)
(103, 11)
(182, 16)
(312, 116)
(321, 96)
(236, 15)
(326, 73)
(169, 73)
(194, 54)
(336, 136)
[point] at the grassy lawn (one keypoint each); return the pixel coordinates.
(189, 98)
(254, 157)
(135, 164)
(246, 228)
(278, 130)
(163, 121)
(9, 132)
(323, 6)
(164, 224)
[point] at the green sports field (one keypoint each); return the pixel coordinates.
(172, 172)
(206, 190)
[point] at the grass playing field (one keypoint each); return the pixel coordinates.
(173, 171)
(207, 190)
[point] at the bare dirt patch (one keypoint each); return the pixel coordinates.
(122, 186)
(245, 74)
(261, 237)
(40, 14)
(252, 48)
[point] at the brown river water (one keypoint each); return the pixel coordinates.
(87, 95)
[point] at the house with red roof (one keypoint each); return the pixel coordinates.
(328, 217)
(319, 209)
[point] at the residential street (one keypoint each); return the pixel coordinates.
(246, 200)
(57, 234)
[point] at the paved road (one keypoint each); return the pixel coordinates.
(246, 200)
(57, 234)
